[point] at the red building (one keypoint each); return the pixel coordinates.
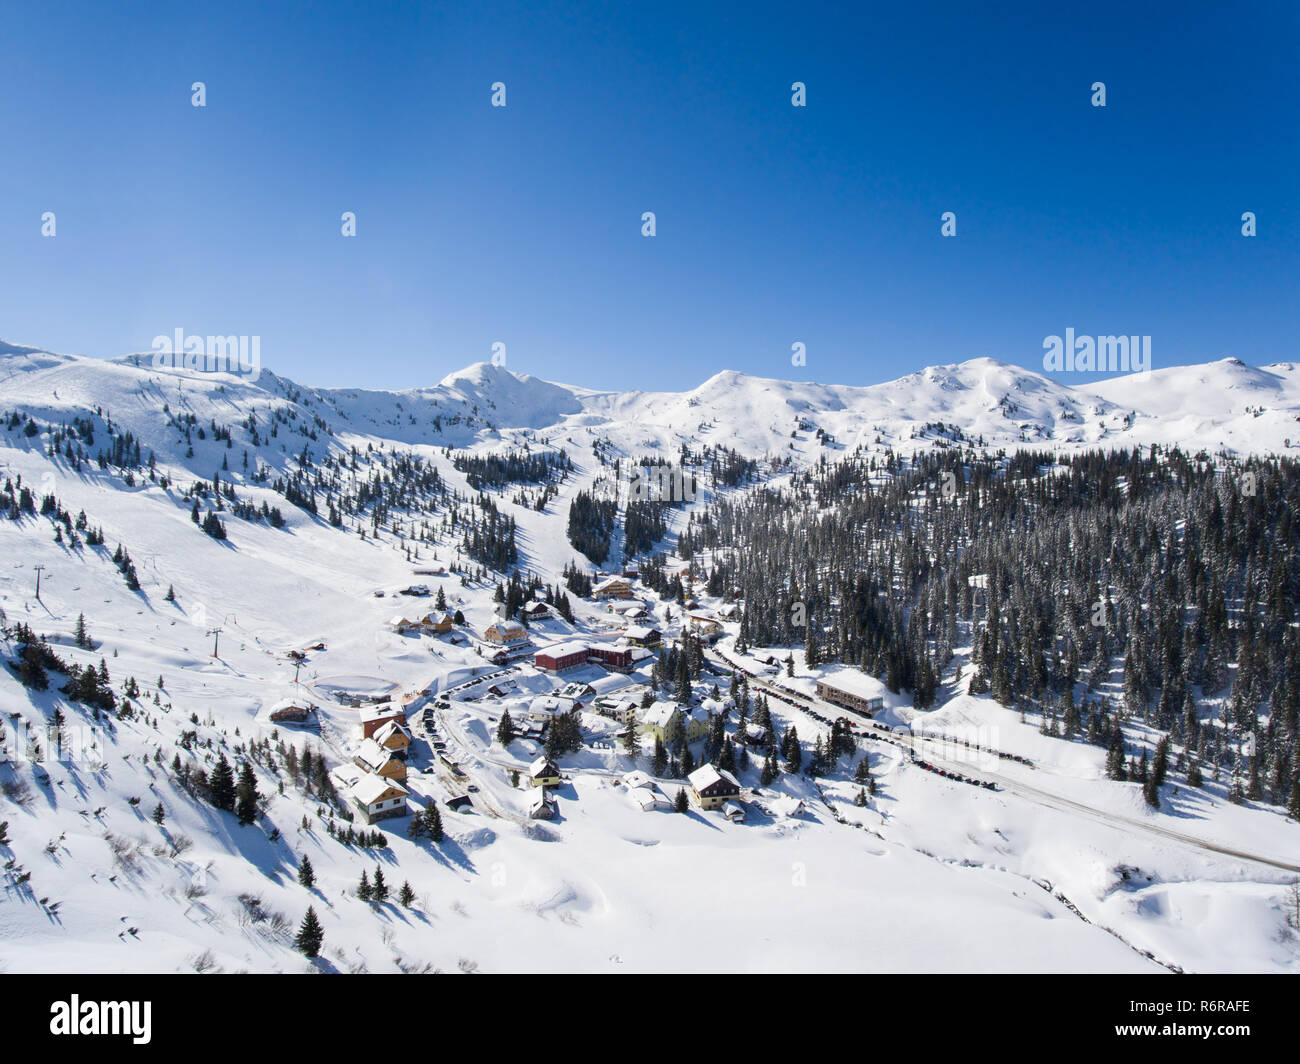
(565, 656)
(574, 653)
(611, 657)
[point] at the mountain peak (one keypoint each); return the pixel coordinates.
(479, 374)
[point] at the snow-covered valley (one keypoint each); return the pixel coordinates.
(1053, 868)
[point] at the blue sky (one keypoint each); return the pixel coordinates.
(775, 224)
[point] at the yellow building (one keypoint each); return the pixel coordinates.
(543, 773)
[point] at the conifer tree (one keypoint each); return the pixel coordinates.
(222, 785)
(659, 763)
(246, 795)
(433, 822)
(506, 729)
(310, 935)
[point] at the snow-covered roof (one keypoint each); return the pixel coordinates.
(648, 798)
(786, 805)
(853, 682)
(637, 778)
(549, 705)
(563, 650)
(659, 714)
(708, 775)
(639, 631)
(371, 788)
(393, 727)
(373, 754)
(384, 709)
(542, 767)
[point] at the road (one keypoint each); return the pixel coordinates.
(1020, 789)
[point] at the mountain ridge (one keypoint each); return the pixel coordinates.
(984, 402)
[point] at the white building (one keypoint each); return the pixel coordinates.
(376, 797)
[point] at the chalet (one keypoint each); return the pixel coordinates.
(612, 588)
(376, 798)
(787, 805)
(543, 773)
(631, 572)
(577, 690)
(712, 786)
(643, 636)
(562, 656)
(648, 799)
(620, 709)
(401, 624)
(440, 624)
(537, 611)
(291, 714)
(852, 690)
(375, 717)
(703, 625)
(505, 633)
(394, 736)
(637, 779)
(376, 759)
(540, 807)
(548, 707)
(733, 811)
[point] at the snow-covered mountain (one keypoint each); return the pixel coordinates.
(1222, 406)
(931, 875)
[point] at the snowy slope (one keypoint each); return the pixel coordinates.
(938, 877)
